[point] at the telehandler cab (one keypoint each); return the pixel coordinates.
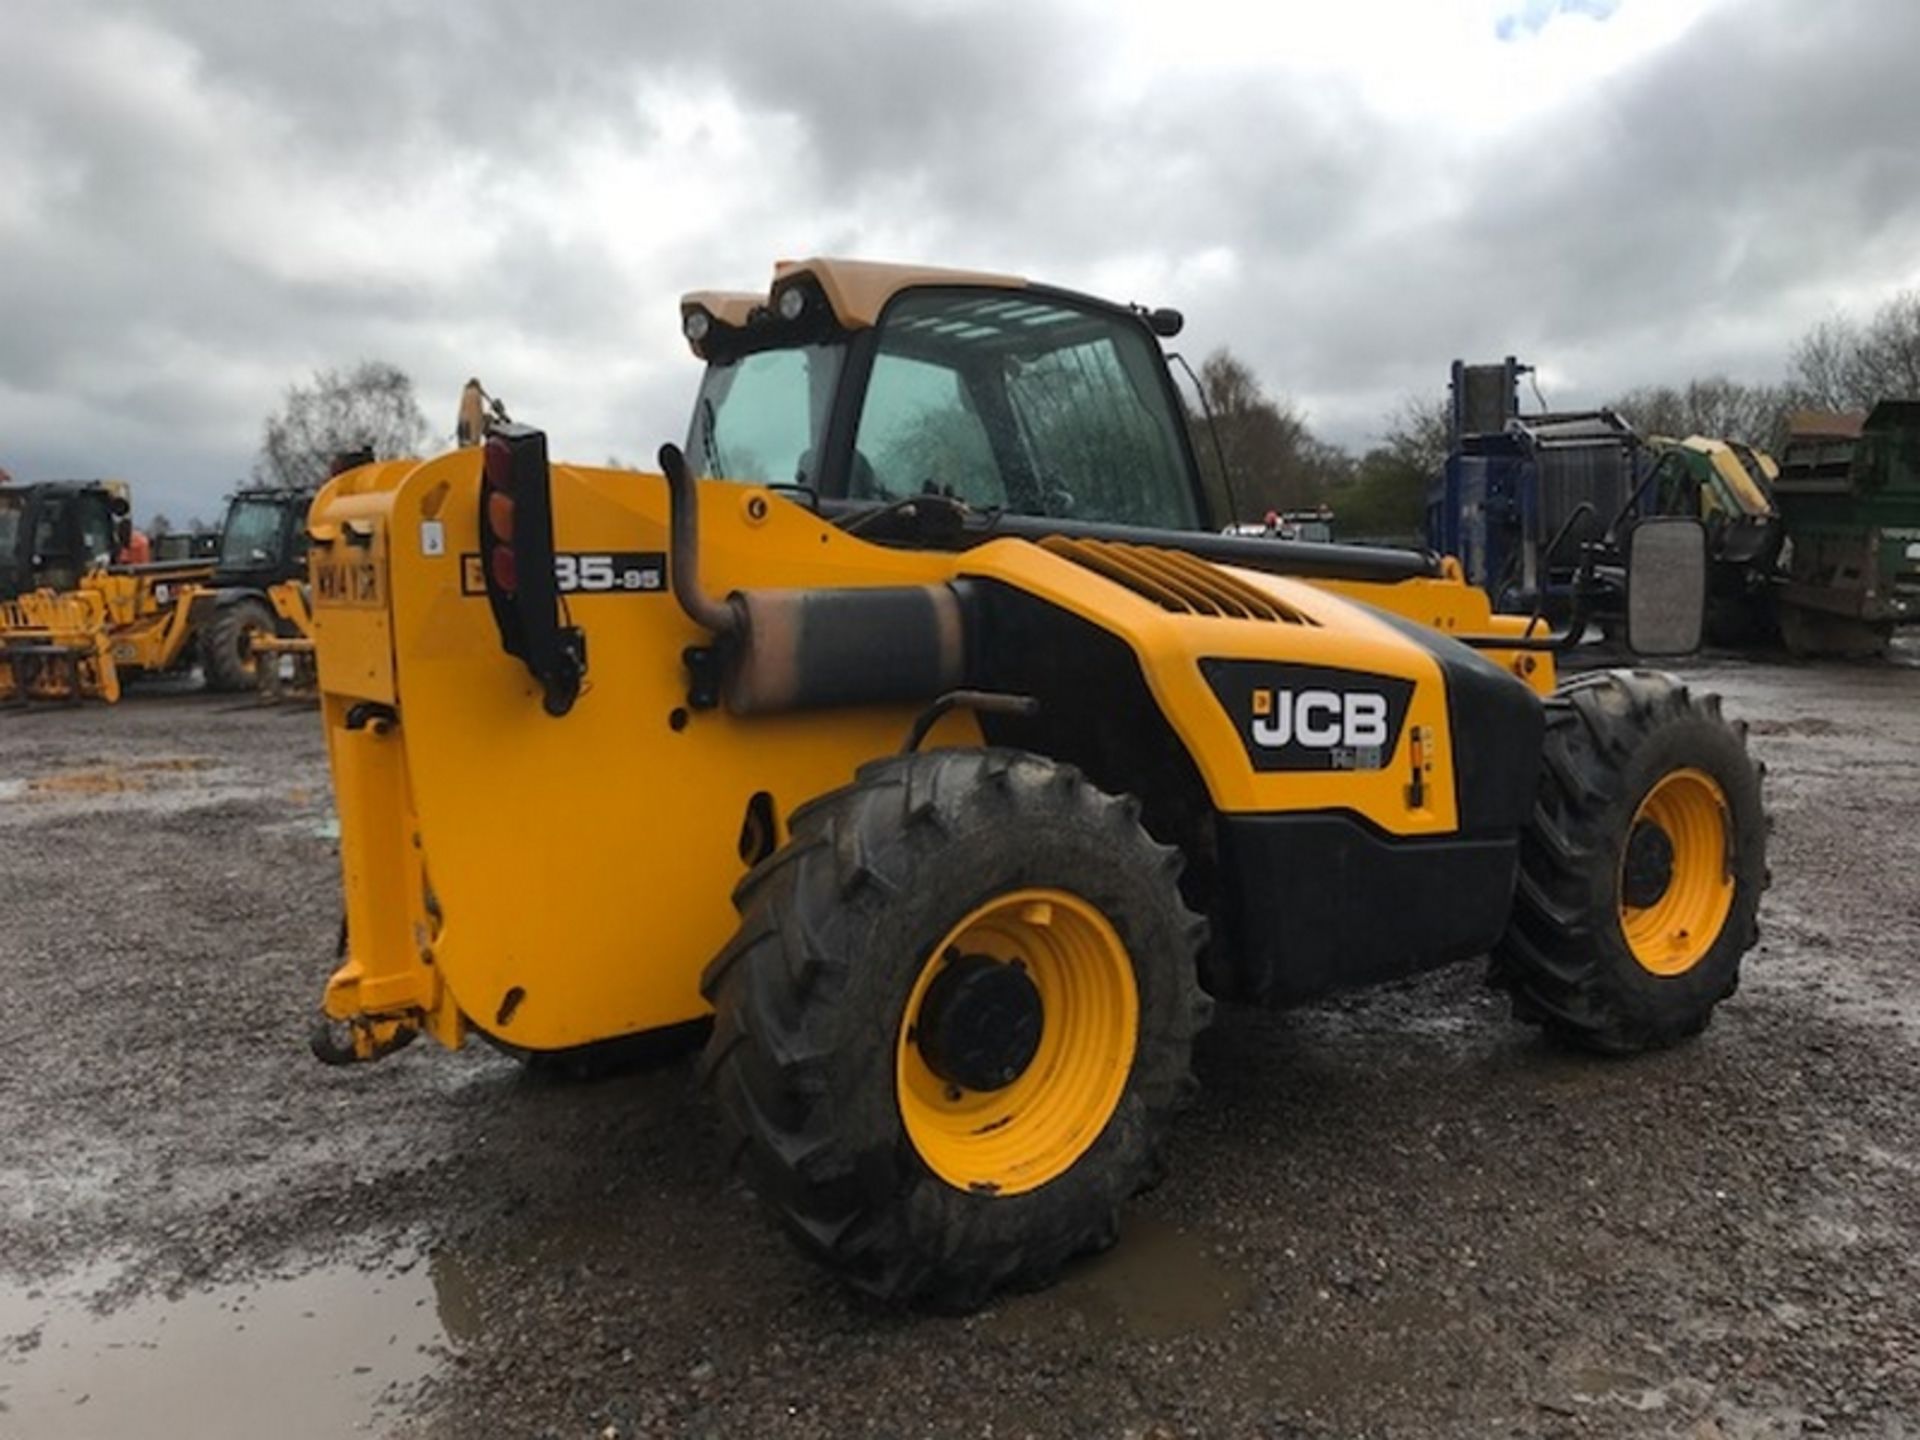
(918, 724)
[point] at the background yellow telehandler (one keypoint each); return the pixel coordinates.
(917, 722)
(242, 613)
(71, 621)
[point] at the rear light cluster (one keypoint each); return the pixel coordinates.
(516, 538)
(496, 515)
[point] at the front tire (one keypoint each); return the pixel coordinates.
(955, 1021)
(227, 660)
(1642, 869)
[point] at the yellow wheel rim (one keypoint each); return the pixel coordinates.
(1033, 1128)
(1676, 874)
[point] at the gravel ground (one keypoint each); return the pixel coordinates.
(1396, 1215)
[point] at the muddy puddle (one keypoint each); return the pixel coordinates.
(323, 1354)
(1159, 1282)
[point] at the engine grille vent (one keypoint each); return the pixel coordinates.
(1175, 580)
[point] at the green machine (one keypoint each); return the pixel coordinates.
(1849, 492)
(1729, 485)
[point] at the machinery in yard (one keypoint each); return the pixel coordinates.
(1729, 485)
(53, 532)
(1315, 525)
(1849, 487)
(82, 643)
(70, 620)
(1530, 502)
(255, 620)
(917, 726)
(83, 639)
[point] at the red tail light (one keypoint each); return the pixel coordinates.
(500, 514)
(516, 537)
(496, 512)
(501, 567)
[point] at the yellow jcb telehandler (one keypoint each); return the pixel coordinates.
(918, 725)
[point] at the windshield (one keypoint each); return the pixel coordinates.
(1035, 406)
(760, 419)
(1003, 399)
(252, 533)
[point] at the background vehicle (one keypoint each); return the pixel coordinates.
(917, 724)
(1849, 487)
(256, 598)
(186, 545)
(1729, 485)
(53, 532)
(1526, 500)
(115, 622)
(1315, 525)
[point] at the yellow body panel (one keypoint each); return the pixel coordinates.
(293, 651)
(1169, 647)
(559, 881)
(586, 862)
(1453, 607)
(1751, 499)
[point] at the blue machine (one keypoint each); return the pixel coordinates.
(1522, 496)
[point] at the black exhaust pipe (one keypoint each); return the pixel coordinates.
(807, 649)
(683, 535)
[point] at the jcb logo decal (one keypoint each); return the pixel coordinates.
(1311, 717)
(1320, 718)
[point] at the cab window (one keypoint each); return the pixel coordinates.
(94, 522)
(251, 535)
(921, 435)
(1031, 404)
(761, 419)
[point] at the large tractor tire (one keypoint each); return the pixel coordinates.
(1641, 872)
(955, 1021)
(227, 660)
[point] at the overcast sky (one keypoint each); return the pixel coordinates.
(203, 202)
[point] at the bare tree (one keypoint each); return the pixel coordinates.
(370, 406)
(1419, 433)
(1713, 406)
(1273, 460)
(1888, 357)
(1842, 365)
(1820, 368)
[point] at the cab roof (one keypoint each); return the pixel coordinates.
(856, 291)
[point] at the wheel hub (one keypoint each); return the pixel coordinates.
(1649, 865)
(980, 1024)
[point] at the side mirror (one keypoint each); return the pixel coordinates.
(1666, 585)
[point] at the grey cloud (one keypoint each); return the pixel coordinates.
(161, 281)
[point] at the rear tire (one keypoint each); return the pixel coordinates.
(1817, 634)
(227, 660)
(1577, 957)
(822, 1007)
